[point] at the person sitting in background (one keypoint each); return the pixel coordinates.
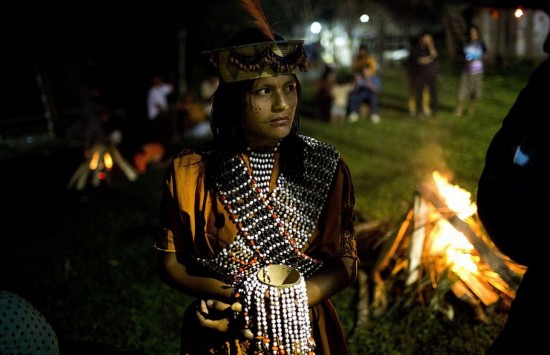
(365, 93)
(363, 59)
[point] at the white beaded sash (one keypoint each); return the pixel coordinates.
(273, 227)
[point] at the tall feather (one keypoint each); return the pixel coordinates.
(254, 8)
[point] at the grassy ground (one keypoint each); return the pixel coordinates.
(86, 259)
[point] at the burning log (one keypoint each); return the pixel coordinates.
(450, 243)
(487, 254)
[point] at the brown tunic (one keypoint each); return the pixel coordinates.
(194, 220)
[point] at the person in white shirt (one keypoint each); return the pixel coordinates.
(157, 109)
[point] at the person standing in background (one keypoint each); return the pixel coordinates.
(424, 59)
(474, 53)
(161, 124)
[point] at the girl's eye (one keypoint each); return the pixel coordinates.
(291, 87)
(263, 91)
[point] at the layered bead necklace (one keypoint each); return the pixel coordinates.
(273, 227)
(262, 164)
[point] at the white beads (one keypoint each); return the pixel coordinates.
(279, 316)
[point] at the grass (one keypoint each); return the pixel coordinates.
(86, 259)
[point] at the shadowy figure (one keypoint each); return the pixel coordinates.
(425, 66)
(514, 205)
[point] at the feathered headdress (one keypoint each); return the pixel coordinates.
(254, 8)
(269, 57)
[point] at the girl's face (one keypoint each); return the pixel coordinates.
(269, 110)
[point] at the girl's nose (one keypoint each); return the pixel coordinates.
(280, 104)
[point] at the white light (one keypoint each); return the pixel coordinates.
(364, 18)
(315, 27)
(339, 41)
(518, 13)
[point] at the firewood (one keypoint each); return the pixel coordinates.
(391, 245)
(463, 293)
(417, 240)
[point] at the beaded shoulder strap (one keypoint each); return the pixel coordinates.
(273, 227)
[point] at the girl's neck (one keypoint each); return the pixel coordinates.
(263, 145)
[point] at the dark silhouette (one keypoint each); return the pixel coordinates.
(514, 205)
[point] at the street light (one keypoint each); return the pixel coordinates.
(315, 27)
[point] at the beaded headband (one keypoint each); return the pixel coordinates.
(264, 58)
(257, 60)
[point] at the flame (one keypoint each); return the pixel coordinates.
(447, 248)
(108, 160)
(456, 198)
(95, 161)
(447, 240)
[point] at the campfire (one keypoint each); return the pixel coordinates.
(98, 164)
(441, 244)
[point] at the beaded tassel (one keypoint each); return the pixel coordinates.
(282, 325)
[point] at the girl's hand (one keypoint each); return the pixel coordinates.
(220, 316)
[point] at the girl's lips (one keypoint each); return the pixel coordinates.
(280, 120)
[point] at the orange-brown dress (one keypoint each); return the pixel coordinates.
(195, 221)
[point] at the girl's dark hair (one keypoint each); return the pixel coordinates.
(228, 107)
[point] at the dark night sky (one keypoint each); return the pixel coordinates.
(118, 46)
(111, 45)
